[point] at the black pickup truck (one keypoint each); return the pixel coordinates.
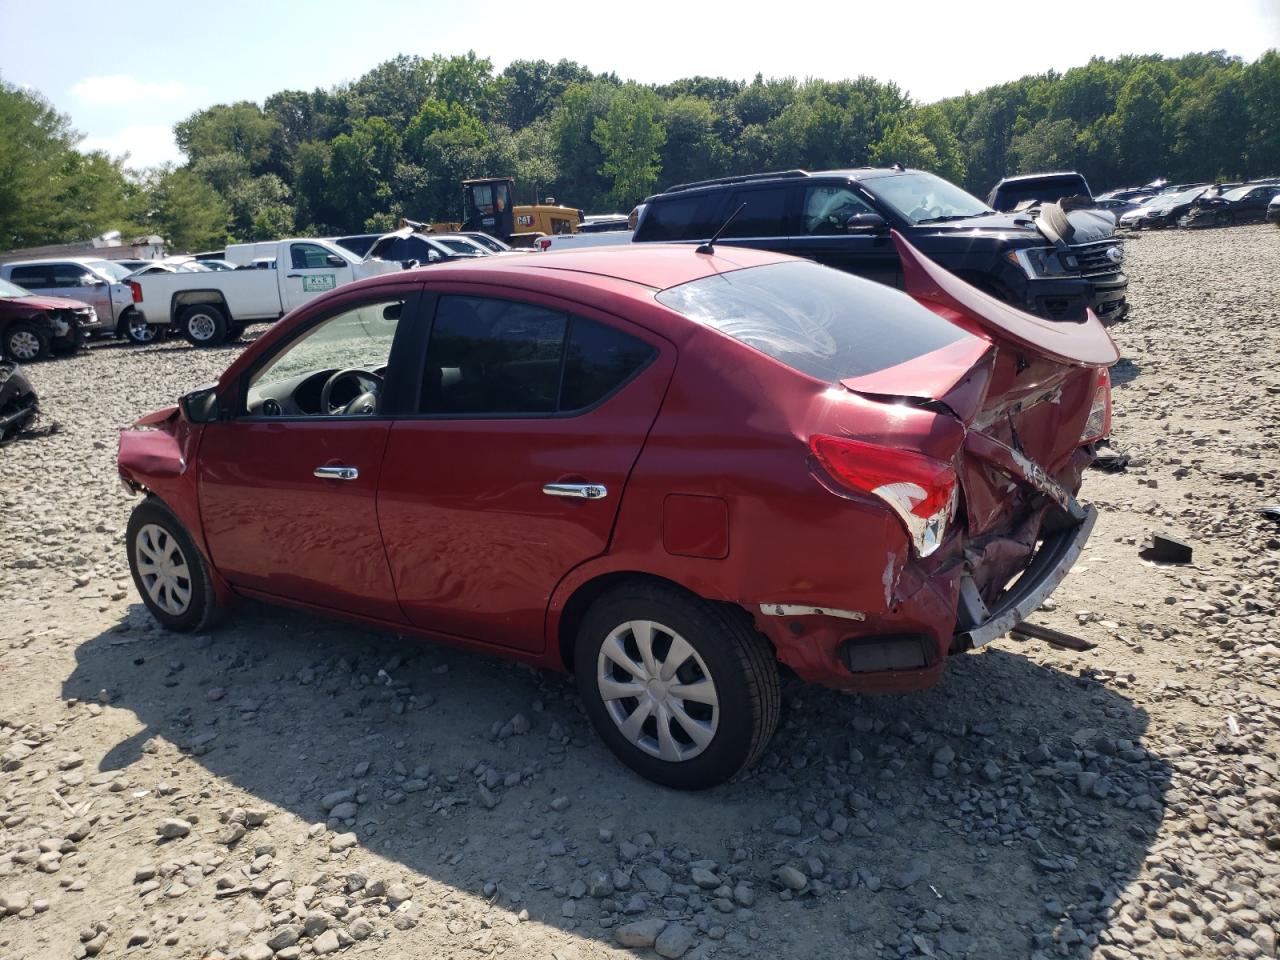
(1053, 261)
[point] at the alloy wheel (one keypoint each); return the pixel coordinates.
(658, 690)
(141, 332)
(163, 569)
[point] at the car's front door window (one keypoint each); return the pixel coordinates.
(333, 368)
(828, 208)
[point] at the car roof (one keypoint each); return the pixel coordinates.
(1058, 174)
(657, 266)
(783, 176)
(41, 261)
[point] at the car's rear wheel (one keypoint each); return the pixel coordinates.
(24, 342)
(169, 570)
(203, 324)
(683, 691)
(137, 331)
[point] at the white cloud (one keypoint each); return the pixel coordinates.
(120, 89)
(146, 145)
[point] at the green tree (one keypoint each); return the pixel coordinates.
(361, 166)
(693, 150)
(239, 128)
(922, 138)
(578, 156)
(185, 210)
(49, 191)
(1261, 94)
(1048, 145)
(630, 137)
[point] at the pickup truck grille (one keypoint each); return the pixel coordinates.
(1093, 258)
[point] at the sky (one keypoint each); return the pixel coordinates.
(126, 75)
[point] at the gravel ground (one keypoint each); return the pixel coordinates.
(292, 787)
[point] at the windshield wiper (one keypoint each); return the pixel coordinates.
(951, 216)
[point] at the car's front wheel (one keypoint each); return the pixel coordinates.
(24, 342)
(169, 570)
(683, 691)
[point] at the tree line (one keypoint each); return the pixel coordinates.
(398, 141)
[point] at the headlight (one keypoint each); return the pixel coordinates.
(1043, 262)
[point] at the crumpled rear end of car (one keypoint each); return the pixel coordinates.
(1029, 410)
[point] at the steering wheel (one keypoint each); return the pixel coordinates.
(365, 402)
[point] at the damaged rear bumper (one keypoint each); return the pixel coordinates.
(1048, 568)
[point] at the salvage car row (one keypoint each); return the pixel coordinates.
(53, 305)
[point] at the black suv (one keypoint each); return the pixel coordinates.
(1054, 265)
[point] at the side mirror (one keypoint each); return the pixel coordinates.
(334, 260)
(201, 405)
(432, 256)
(89, 281)
(866, 223)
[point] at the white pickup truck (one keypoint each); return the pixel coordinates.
(209, 308)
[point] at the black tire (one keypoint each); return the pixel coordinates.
(201, 610)
(738, 660)
(25, 342)
(235, 332)
(203, 324)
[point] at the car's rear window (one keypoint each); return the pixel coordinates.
(819, 321)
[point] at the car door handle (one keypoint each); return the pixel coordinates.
(336, 473)
(583, 491)
(293, 276)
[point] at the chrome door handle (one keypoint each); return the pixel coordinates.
(336, 473)
(584, 491)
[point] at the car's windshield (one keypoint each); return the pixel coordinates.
(108, 269)
(8, 289)
(922, 197)
(1183, 197)
(487, 241)
(459, 245)
(822, 322)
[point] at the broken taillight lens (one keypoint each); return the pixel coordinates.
(1099, 423)
(920, 490)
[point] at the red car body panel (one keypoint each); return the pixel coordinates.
(272, 526)
(705, 455)
(476, 548)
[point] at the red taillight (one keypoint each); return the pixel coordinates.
(919, 489)
(136, 289)
(1099, 423)
(544, 243)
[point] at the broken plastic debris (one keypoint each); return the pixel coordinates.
(1164, 549)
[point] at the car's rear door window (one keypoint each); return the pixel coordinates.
(764, 213)
(821, 322)
(501, 358)
(39, 277)
(683, 218)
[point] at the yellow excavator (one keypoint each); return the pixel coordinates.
(487, 207)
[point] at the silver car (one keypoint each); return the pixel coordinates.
(93, 280)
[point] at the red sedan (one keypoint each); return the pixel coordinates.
(664, 469)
